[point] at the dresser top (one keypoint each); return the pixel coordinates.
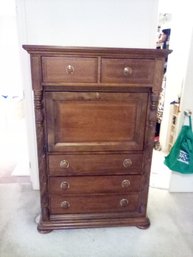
(131, 52)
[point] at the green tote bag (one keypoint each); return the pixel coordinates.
(180, 158)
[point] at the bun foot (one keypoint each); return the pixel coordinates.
(41, 228)
(44, 231)
(145, 225)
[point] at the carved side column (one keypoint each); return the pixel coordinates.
(38, 97)
(149, 141)
(150, 131)
(40, 130)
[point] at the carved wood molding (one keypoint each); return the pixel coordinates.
(39, 115)
(149, 141)
(158, 75)
(39, 119)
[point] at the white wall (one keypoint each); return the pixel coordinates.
(184, 183)
(110, 23)
(129, 23)
(9, 51)
(179, 76)
(177, 64)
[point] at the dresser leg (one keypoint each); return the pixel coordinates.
(44, 231)
(145, 225)
(39, 227)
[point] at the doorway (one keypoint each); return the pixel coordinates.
(14, 161)
(160, 174)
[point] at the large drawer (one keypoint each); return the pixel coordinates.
(94, 204)
(95, 184)
(132, 71)
(69, 69)
(94, 164)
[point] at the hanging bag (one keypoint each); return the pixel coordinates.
(180, 158)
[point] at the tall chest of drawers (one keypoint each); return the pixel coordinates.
(95, 112)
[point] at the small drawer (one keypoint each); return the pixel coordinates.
(95, 184)
(69, 69)
(127, 71)
(93, 204)
(95, 164)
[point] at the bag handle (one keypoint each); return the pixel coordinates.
(190, 122)
(188, 114)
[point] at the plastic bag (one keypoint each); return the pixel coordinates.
(180, 158)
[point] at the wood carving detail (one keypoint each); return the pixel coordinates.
(38, 102)
(154, 101)
(149, 142)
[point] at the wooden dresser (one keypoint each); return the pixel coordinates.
(95, 118)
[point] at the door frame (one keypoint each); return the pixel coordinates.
(28, 93)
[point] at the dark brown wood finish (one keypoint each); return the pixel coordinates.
(95, 164)
(94, 203)
(105, 115)
(95, 184)
(69, 69)
(95, 119)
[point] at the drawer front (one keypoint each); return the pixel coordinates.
(69, 69)
(127, 71)
(100, 164)
(93, 204)
(95, 184)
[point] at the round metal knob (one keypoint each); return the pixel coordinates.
(127, 71)
(125, 183)
(124, 202)
(64, 185)
(127, 163)
(65, 204)
(64, 164)
(97, 95)
(69, 69)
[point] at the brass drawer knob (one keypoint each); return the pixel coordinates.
(69, 69)
(97, 95)
(124, 202)
(127, 163)
(64, 164)
(64, 185)
(127, 71)
(125, 183)
(65, 204)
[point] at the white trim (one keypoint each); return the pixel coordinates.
(29, 104)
